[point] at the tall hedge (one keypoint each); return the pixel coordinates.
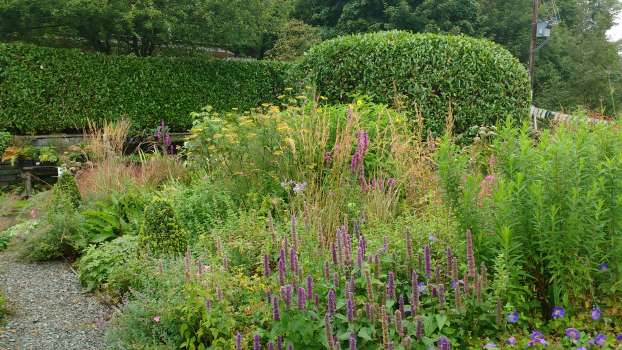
(44, 90)
(479, 79)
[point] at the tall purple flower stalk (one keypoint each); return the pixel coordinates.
(350, 308)
(293, 260)
(352, 341)
(428, 262)
(256, 342)
(414, 302)
(266, 265)
(328, 327)
(356, 165)
(270, 345)
(302, 298)
(419, 332)
(443, 343)
(332, 306)
(310, 287)
(286, 294)
(470, 254)
(238, 341)
(282, 267)
(276, 314)
(391, 285)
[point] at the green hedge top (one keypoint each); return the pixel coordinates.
(481, 80)
(45, 90)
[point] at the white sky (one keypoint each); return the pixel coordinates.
(616, 32)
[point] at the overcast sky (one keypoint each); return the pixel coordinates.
(616, 32)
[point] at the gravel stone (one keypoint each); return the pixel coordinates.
(50, 309)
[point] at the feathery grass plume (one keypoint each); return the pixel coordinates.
(399, 327)
(276, 313)
(414, 300)
(328, 328)
(470, 255)
(384, 319)
(419, 331)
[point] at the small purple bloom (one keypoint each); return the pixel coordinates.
(619, 338)
(603, 267)
(573, 333)
(423, 289)
(558, 312)
(511, 341)
(444, 343)
(582, 348)
(512, 317)
(535, 338)
(596, 313)
(598, 340)
(270, 345)
(490, 346)
(299, 187)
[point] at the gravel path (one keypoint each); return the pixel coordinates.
(51, 310)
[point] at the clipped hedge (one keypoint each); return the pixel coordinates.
(45, 90)
(481, 80)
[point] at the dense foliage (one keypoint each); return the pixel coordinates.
(161, 233)
(46, 90)
(475, 80)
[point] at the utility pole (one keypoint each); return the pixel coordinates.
(532, 46)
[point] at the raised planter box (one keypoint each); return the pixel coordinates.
(27, 172)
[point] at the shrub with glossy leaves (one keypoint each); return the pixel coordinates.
(66, 191)
(161, 233)
(479, 79)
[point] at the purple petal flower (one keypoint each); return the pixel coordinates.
(536, 337)
(596, 313)
(619, 338)
(558, 312)
(423, 289)
(582, 348)
(299, 187)
(573, 333)
(512, 317)
(599, 340)
(603, 267)
(511, 341)
(490, 346)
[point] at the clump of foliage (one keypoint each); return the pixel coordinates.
(4, 308)
(18, 230)
(66, 191)
(161, 233)
(548, 209)
(293, 40)
(474, 79)
(84, 86)
(98, 262)
(5, 141)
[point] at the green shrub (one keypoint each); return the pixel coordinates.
(65, 192)
(481, 80)
(46, 90)
(161, 233)
(5, 141)
(20, 230)
(555, 207)
(4, 308)
(53, 239)
(95, 266)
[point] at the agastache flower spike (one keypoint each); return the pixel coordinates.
(331, 303)
(458, 296)
(360, 255)
(302, 298)
(428, 262)
(293, 259)
(368, 286)
(350, 308)
(377, 263)
(385, 326)
(270, 345)
(276, 314)
(333, 250)
(443, 343)
(352, 341)
(328, 328)
(279, 343)
(399, 328)
(470, 255)
(266, 265)
(414, 302)
(256, 342)
(310, 287)
(326, 272)
(238, 341)
(419, 333)
(391, 285)
(400, 303)
(409, 246)
(282, 267)
(441, 295)
(286, 294)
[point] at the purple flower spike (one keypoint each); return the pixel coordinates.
(511, 341)
(443, 343)
(428, 262)
(596, 313)
(582, 348)
(490, 346)
(391, 285)
(238, 341)
(419, 331)
(293, 260)
(282, 267)
(270, 345)
(512, 317)
(352, 341)
(266, 265)
(302, 298)
(276, 314)
(310, 287)
(290, 346)
(573, 333)
(350, 308)
(619, 338)
(331, 303)
(256, 342)
(558, 312)
(279, 343)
